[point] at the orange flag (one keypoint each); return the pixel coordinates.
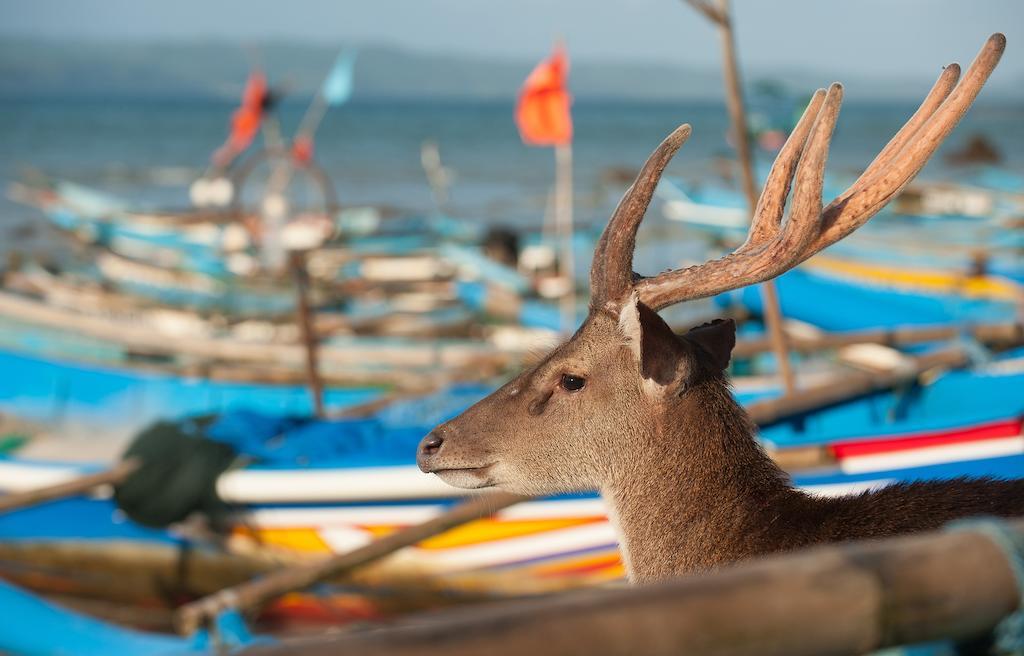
(542, 112)
(245, 122)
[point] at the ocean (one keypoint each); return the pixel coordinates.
(150, 151)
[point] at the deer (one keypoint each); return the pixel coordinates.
(646, 417)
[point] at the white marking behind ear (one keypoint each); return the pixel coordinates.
(629, 324)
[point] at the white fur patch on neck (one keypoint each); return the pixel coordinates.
(629, 324)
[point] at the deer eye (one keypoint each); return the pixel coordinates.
(572, 383)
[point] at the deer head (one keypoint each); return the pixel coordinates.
(593, 412)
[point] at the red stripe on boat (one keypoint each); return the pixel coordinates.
(987, 431)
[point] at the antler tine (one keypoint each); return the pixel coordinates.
(804, 221)
(854, 207)
(943, 86)
(747, 266)
(770, 250)
(611, 272)
(771, 205)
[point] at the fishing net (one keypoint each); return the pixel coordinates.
(177, 476)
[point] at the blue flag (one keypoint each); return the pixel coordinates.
(337, 88)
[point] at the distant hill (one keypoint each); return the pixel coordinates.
(216, 70)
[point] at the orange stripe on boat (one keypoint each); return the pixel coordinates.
(605, 560)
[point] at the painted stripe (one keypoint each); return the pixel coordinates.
(873, 446)
(352, 484)
(935, 280)
(404, 515)
(933, 455)
(547, 545)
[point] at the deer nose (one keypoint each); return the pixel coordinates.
(431, 444)
(429, 447)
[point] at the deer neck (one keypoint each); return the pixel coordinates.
(699, 494)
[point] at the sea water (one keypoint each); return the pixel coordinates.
(149, 151)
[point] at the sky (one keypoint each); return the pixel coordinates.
(857, 37)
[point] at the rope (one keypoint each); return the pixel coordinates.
(1009, 633)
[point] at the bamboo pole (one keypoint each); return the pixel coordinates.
(258, 591)
(564, 222)
(853, 384)
(720, 15)
(218, 348)
(997, 334)
(309, 338)
(73, 487)
(849, 598)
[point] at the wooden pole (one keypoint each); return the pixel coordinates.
(853, 384)
(258, 591)
(851, 598)
(720, 15)
(73, 487)
(309, 337)
(438, 177)
(564, 221)
(997, 334)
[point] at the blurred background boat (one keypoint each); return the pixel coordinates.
(297, 333)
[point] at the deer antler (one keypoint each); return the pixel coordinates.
(774, 246)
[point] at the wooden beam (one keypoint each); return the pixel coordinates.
(850, 598)
(999, 334)
(850, 386)
(258, 591)
(332, 358)
(310, 341)
(73, 487)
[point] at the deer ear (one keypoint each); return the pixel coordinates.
(717, 339)
(655, 345)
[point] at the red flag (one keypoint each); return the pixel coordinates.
(542, 112)
(245, 122)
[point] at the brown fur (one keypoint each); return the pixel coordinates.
(658, 432)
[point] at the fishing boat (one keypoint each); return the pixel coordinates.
(329, 486)
(124, 368)
(45, 628)
(721, 210)
(840, 294)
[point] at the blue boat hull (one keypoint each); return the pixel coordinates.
(76, 397)
(839, 305)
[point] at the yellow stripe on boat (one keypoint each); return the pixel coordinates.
(934, 280)
(490, 530)
(304, 540)
(485, 530)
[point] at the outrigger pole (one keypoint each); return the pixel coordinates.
(719, 15)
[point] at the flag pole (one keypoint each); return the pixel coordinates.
(564, 224)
